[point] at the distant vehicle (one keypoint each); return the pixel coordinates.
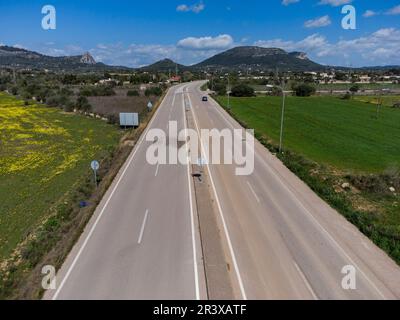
(205, 98)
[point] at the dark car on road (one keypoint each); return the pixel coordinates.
(205, 98)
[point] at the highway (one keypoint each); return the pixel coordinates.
(142, 241)
(286, 243)
(283, 241)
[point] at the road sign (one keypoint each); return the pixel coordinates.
(95, 165)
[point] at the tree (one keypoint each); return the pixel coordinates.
(275, 91)
(304, 90)
(220, 89)
(82, 104)
(187, 76)
(341, 76)
(354, 89)
(242, 90)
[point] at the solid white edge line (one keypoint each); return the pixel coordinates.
(308, 285)
(316, 222)
(235, 264)
(196, 275)
(137, 147)
(142, 228)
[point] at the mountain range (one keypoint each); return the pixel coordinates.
(243, 58)
(166, 65)
(24, 59)
(258, 58)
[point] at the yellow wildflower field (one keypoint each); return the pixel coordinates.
(43, 153)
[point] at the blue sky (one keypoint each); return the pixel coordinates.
(135, 33)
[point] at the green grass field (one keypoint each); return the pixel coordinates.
(344, 134)
(43, 154)
(341, 86)
(363, 86)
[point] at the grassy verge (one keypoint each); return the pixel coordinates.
(316, 140)
(386, 100)
(58, 225)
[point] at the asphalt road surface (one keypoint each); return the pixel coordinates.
(284, 241)
(142, 241)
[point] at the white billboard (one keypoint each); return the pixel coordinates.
(129, 119)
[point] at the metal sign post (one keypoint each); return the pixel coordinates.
(95, 166)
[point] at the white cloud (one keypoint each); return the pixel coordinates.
(335, 3)
(394, 10)
(196, 8)
(379, 48)
(183, 8)
(369, 13)
(18, 46)
(288, 2)
(308, 44)
(223, 41)
(318, 23)
(51, 49)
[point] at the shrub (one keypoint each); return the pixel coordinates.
(133, 93)
(57, 101)
(113, 119)
(154, 91)
(377, 183)
(275, 91)
(304, 90)
(347, 96)
(14, 90)
(242, 90)
(69, 106)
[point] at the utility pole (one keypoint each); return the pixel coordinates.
(379, 104)
(282, 87)
(229, 93)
